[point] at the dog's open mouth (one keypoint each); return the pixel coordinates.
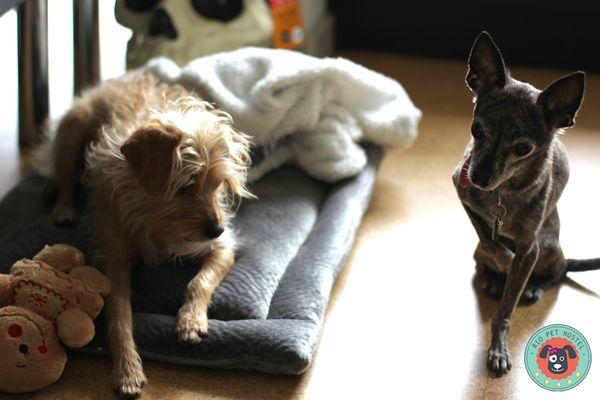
(465, 182)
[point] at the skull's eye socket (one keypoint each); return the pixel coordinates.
(221, 10)
(522, 149)
(15, 330)
(141, 5)
(477, 131)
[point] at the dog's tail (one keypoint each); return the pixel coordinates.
(583, 265)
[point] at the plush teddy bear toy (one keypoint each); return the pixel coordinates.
(50, 299)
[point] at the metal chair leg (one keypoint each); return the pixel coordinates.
(33, 70)
(87, 44)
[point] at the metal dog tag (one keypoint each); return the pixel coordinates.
(497, 225)
(498, 211)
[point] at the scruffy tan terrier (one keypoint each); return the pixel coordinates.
(162, 168)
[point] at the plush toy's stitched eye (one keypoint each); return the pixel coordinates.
(24, 349)
(477, 131)
(522, 149)
(15, 330)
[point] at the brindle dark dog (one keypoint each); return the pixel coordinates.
(513, 173)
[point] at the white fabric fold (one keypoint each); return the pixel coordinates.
(300, 109)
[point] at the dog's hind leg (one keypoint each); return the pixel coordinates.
(493, 276)
(538, 284)
(493, 283)
(551, 265)
(74, 132)
(531, 294)
(493, 280)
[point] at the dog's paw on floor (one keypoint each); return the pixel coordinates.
(129, 385)
(498, 361)
(531, 295)
(493, 286)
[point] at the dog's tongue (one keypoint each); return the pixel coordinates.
(465, 182)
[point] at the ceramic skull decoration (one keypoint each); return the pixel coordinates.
(186, 29)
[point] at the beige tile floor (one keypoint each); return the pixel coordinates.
(406, 319)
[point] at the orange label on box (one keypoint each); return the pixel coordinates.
(288, 32)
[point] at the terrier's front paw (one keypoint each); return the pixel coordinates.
(63, 215)
(498, 361)
(128, 381)
(191, 327)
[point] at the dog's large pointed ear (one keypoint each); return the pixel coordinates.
(561, 100)
(486, 66)
(149, 153)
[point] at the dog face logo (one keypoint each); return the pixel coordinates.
(558, 358)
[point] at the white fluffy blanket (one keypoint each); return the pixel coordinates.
(300, 109)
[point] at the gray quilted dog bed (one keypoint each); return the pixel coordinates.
(268, 312)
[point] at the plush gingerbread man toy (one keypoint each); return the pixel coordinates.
(50, 299)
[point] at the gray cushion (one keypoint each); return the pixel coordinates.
(268, 312)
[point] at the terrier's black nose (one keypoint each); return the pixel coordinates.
(213, 230)
(24, 349)
(161, 24)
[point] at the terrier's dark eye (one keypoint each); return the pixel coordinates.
(477, 131)
(521, 149)
(187, 187)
